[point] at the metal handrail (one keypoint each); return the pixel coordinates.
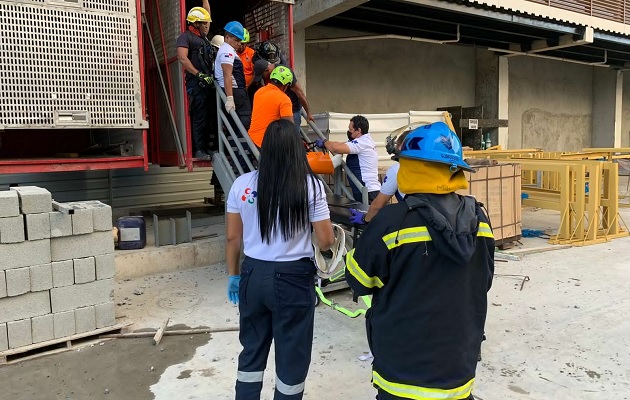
(237, 121)
(344, 166)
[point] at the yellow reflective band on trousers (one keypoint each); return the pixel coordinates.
(422, 393)
(485, 230)
(407, 235)
(359, 274)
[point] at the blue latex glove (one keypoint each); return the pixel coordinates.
(320, 143)
(232, 288)
(357, 217)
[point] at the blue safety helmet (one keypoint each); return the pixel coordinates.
(236, 29)
(435, 143)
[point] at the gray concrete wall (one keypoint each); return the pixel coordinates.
(386, 75)
(625, 125)
(550, 104)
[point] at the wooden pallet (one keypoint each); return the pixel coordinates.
(507, 243)
(56, 345)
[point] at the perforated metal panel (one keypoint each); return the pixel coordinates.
(69, 64)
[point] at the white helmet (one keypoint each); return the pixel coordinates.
(327, 266)
(217, 41)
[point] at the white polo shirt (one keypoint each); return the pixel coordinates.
(390, 181)
(242, 200)
(227, 55)
(364, 149)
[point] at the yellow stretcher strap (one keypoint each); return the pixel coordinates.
(352, 314)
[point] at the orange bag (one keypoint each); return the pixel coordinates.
(320, 162)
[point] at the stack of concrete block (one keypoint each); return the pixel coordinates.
(56, 267)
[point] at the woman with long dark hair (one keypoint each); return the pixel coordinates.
(274, 212)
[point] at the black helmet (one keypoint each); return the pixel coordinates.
(270, 52)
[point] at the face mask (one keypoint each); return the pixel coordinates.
(349, 135)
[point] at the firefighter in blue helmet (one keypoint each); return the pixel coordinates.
(429, 262)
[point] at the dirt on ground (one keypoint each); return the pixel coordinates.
(115, 369)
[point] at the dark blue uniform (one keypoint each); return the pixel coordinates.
(429, 263)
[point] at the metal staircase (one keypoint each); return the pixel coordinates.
(238, 155)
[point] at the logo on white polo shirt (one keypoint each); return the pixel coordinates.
(249, 196)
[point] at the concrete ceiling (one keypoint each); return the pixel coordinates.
(484, 27)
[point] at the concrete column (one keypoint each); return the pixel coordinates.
(619, 109)
(504, 91)
(607, 107)
(491, 90)
(299, 56)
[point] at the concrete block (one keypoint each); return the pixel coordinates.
(83, 295)
(3, 285)
(25, 254)
(102, 215)
(37, 226)
(64, 324)
(105, 266)
(19, 333)
(81, 246)
(18, 281)
(63, 273)
(82, 221)
(41, 277)
(43, 328)
(33, 304)
(9, 205)
(34, 199)
(60, 224)
(12, 229)
(4, 340)
(105, 315)
(85, 319)
(84, 270)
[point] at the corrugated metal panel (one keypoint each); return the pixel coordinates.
(609, 16)
(129, 188)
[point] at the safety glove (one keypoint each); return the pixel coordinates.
(229, 104)
(232, 288)
(320, 143)
(205, 79)
(357, 217)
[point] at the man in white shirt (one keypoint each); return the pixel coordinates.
(230, 74)
(362, 157)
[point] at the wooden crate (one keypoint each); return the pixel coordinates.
(499, 189)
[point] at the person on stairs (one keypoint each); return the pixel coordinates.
(194, 52)
(271, 104)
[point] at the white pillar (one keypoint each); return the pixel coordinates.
(618, 109)
(504, 91)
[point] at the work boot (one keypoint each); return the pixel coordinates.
(200, 155)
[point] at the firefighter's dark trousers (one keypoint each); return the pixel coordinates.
(202, 117)
(276, 302)
(383, 395)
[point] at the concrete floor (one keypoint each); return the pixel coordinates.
(563, 336)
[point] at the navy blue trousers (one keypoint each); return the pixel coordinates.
(276, 302)
(383, 395)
